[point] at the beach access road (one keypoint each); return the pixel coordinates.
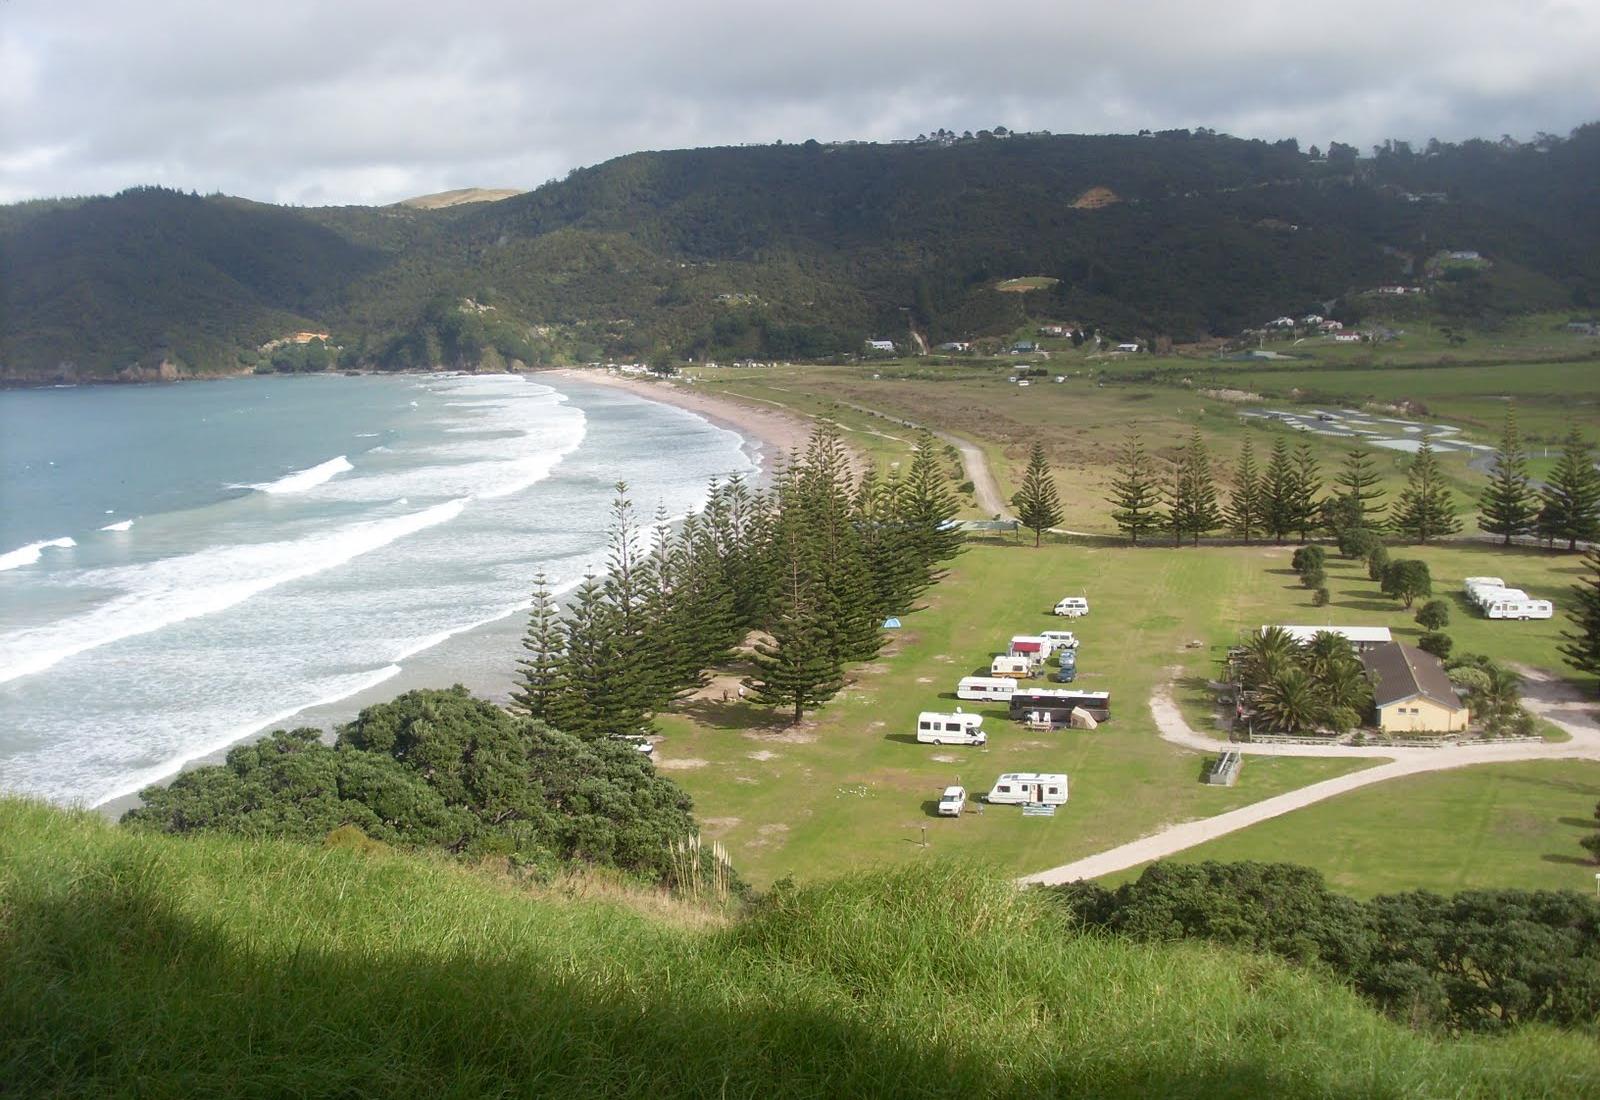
(1545, 695)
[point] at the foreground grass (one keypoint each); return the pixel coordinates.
(1495, 825)
(154, 966)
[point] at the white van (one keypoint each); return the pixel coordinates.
(1073, 607)
(935, 728)
(952, 801)
(1018, 668)
(997, 688)
(1060, 639)
(1015, 788)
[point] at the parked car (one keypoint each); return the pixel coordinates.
(952, 801)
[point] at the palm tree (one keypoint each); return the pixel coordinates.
(1288, 702)
(1345, 686)
(1326, 651)
(1266, 654)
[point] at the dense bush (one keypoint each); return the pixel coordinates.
(1482, 960)
(1308, 558)
(1433, 615)
(438, 769)
(1437, 643)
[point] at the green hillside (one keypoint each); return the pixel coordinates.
(138, 964)
(802, 251)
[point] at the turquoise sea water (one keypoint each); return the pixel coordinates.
(183, 565)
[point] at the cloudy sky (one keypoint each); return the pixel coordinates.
(362, 101)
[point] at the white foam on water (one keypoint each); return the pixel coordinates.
(27, 555)
(138, 781)
(159, 594)
(124, 525)
(302, 480)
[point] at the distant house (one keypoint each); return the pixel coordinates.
(1464, 254)
(1024, 347)
(1399, 290)
(1052, 330)
(1311, 319)
(1127, 347)
(1584, 328)
(1331, 326)
(1411, 692)
(881, 345)
(954, 345)
(1362, 637)
(1347, 338)
(1281, 322)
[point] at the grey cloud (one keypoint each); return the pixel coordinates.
(311, 102)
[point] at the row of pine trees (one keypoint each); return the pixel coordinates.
(1182, 498)
(816, 563)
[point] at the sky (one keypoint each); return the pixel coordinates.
(316, 102)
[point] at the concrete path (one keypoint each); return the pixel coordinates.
(1543, 694)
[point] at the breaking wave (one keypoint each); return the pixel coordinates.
(27, 555)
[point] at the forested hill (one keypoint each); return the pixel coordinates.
(796, 250)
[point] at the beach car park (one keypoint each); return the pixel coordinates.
(952, 801)
(1073, 607)
(995, 688)
(935, 728)
(1038, 788)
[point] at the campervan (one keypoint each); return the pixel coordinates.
(934, 728)
(1060, 639)
(1019, 668)
(1014, 788)
(952, 801)
(997, 688)
(1073, 607)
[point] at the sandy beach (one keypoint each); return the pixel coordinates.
(777, 431)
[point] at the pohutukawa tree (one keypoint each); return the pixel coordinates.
(1037, 503)
(1509, 506)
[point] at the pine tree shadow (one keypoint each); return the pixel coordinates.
(733, 715)
(1572, 861)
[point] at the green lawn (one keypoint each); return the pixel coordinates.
(850, 788)
(1495, 825)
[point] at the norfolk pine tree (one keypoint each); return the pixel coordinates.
(1307, 485)
(1036, 502)
(1245, 505)
(1508, 506)
(1358, 489)
(1570, 500)
(1425, 510)
(1278, 493)
(1581, 645)
(799, 668)
(1201, 515)
(539, 671)
(1135, 497)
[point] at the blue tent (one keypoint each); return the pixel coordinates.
(891, 623)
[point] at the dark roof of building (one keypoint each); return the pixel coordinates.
(1401, 672)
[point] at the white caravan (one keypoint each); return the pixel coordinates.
(1018, 668)
(997, 688)
(1073, 607)
(952, 801)
(1016, 788)
(934, 728)
(1513, 603)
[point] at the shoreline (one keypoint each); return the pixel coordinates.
(777, 432)
(764, 436)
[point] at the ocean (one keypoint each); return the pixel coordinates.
(182, 566)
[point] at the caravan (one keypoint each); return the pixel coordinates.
(1037, 788)
(995, 688)
(934, 728)
(1018, 668)
(1496, 601)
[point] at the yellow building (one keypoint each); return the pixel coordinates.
(1411, 692)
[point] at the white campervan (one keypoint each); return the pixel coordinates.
(1018, 668)
(1049, 788)
(934, 728)
(997, 688)
(1073, 606)
(1060, 639)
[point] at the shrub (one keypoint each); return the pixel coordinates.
(1436, 643)
(1433, 615)
(1407, 579)
(1314, 578)
(1307, 558)
(1319, 598)
(1358, 542)
(1377, 561)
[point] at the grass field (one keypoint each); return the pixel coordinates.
(851, 787)
(153, 966)
(1490, 826)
